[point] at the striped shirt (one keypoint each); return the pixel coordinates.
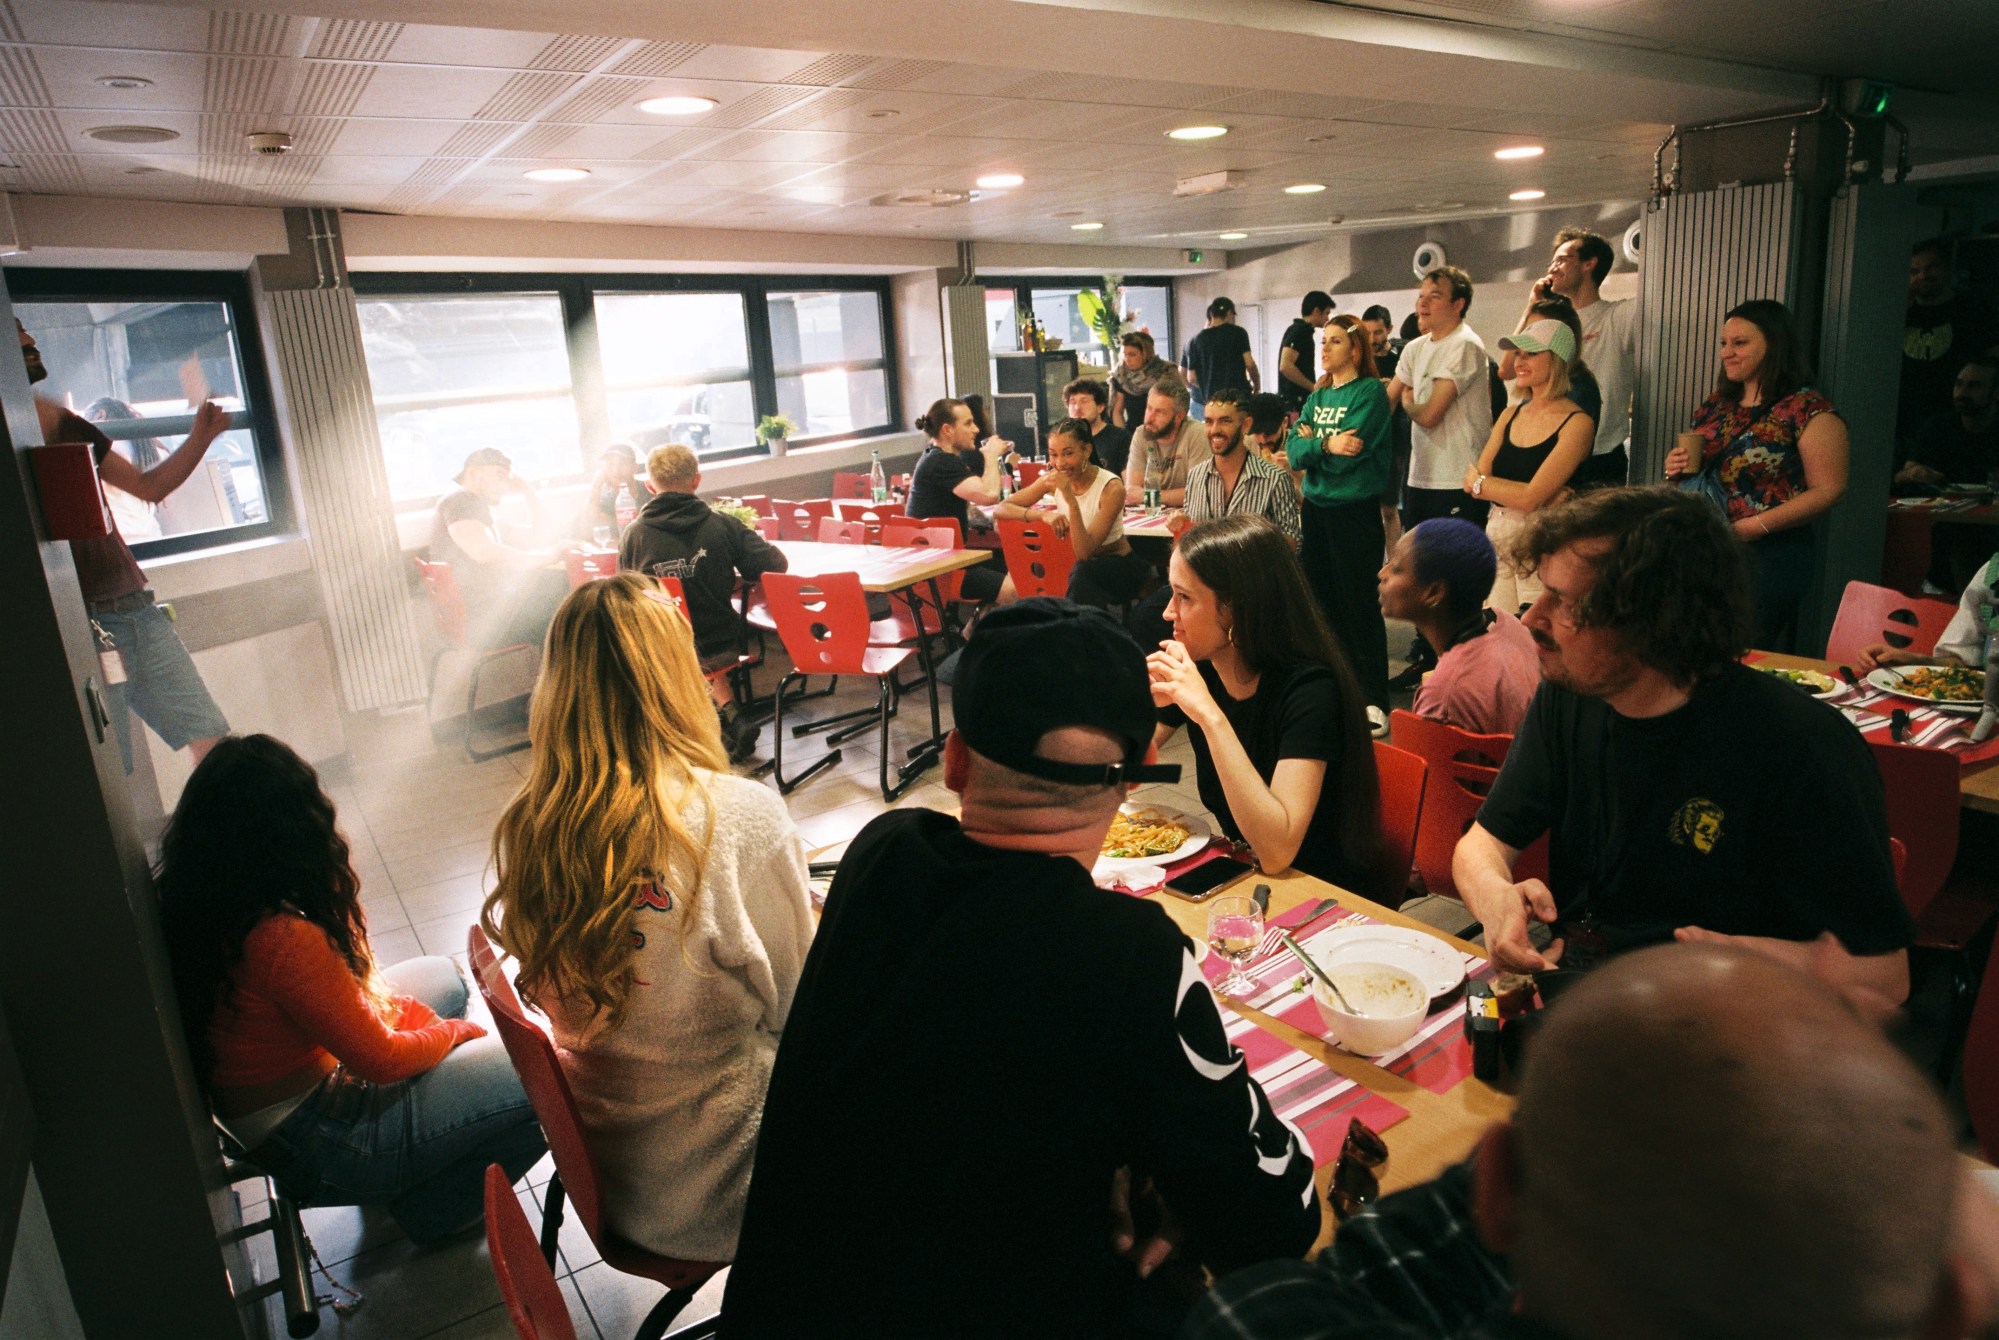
(1261, 490)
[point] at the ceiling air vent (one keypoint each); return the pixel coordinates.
(926, 199)
(132, 134)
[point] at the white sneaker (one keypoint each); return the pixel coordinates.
(1377, 722)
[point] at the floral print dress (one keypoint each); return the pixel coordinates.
(1754, 450)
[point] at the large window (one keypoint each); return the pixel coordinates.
(1146, 303)
(454, 374)
(677, 369)
(136, 355)
(551, 369)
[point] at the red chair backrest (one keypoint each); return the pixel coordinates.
(447, 603)
(1905, 552)
(800, 520)
(590, 564)
(1462, 767)
(906, 534)
(835, 531)
(768, 527)
(527, 1286)
(1402, 775)
(1038, 560)
(547, 1087)
(822, 621)
(758, 503)
(1921, 786)
(873, 515)
(674, 591)
(1870, 614)
(851, 484)
(1029, 471)
(1981, 1061)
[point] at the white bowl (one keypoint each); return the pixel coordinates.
(1396, 1002)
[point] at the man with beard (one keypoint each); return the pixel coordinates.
(1944, 327)
(1686, 795)
(1166, 446)
(1609, 344)
(146, 665)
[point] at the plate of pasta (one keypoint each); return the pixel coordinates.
(1154, 834)
(1953, 688)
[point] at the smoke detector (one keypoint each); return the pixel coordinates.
(269, 142)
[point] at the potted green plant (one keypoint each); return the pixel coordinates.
(774, 430)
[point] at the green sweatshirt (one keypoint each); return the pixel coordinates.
(1360, 407)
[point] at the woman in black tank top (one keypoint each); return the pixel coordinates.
(1534, 449)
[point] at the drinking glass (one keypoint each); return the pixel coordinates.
(602, 536)
(1235, 926)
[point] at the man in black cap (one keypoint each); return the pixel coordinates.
(1006, 1085)
(510, 593)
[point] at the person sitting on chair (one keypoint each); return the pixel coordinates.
(510, 592)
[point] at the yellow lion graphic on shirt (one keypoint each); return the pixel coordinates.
(1697, 824)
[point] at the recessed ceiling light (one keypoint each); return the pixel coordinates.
(677, 105)
(132, 134)
(1305, 188)
(556, 174)
(1197, 133)
(1232, 237)
(1519, 151)
(124, 81)
(1000, 181)
(1526, 195)
(1086, 227)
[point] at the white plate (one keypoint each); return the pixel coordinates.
(1435, 964)
(1833, 692)
(1197, 834)
(1886, 680)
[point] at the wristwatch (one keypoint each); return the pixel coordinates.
(1478, 486)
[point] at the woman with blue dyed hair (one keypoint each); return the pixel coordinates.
(1438, 577)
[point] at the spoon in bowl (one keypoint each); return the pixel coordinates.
(1320, 973)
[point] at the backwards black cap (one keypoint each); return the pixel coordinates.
(1040, 664)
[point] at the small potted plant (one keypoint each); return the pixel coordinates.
(774, 430)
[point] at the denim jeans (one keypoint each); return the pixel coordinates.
(162, 684)
(419, 1146)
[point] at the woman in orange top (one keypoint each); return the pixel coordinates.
(348, 1084)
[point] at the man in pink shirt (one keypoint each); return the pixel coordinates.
(1438, 577)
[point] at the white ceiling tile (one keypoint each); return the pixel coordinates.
(756, 65)
(427, 44)
(71, 75)
(88, 24)
(397, 139)
(407, 90)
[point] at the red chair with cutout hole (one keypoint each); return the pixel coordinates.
(675, 592)
(1029, 471)
(800, 520)
(527, 1285)
(833, 531)
(1462, 768)
(758, 503)
(851, 484)
(1869, 614)
(587, 565)
(1906, 550)
(533, 1055)
(873, 515)
(1922, 790)
(1402, 777)
(823, 622)
(1038, 560)
(447, 607)
(767, 526)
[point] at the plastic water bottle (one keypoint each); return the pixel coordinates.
(627, 507)
(877, 480)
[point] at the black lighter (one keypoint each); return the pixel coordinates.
(1482, 1030)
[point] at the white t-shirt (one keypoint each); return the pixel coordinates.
(1610, 350)
(1438, 456)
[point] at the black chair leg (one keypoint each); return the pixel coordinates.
(551, 1219)
(786, 785)
(905, 774)
(663, 1312)
(472, 751)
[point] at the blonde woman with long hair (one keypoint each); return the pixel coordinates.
(657, 906)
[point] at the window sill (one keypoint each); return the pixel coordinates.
(180, 576)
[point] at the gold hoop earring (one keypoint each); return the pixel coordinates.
(1231, 635)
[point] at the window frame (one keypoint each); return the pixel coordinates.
(1024, 285)
(586, 366)
(34, 284)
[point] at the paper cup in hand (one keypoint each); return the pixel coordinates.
(1693, 444)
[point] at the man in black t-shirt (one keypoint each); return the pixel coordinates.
(510, 593)
(955, 471)
(1220, 356)
(1298, 354)
(942, 1107)
(1089, 400)
(1944, 327)
(1687, 796)
(1960, 445)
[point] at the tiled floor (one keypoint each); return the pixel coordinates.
(420, 819)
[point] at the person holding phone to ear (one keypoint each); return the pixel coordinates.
(1282, 752)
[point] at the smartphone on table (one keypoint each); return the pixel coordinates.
(1196, 884)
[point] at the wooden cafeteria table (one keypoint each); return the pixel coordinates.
(1441, 1128)
(1978, 788)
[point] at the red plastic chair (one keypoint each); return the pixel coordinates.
(1981, 1061)
(823, 622)
(768, 527)
(852, 484)
(1906, 550)
(575, 1177)
(1876, 614)
(1029, 471)
(527, 1285)
(758, 503)
(587, 565)
(873, 515)
(1402, 785)
(677, 593)
(832, 531)
(1038, 560)
(1462, 768)
(447, 607)
(937, 534)
(800, 520)
(1922, 790)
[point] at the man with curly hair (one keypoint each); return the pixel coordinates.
(1687, 796)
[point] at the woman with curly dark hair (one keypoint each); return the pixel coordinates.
(349, 1084)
